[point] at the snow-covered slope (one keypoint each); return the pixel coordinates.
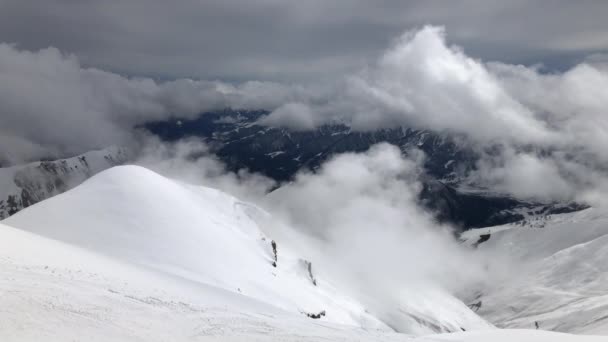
(24, 185)
(200, 234)
(206, 236)
(130, 255)
(512, 335)
(52, 291)
(559, 276)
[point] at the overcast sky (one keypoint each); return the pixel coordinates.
(286, 40)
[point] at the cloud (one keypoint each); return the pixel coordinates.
(572, 103)
(553, 123)
(526, 175)
(359, 221)
(529, 127)
(52, 106)
(191, 161)
(293, 115)
(422, 82)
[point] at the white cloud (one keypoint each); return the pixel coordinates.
(359, 221)
(293, 115)
(190, 160)
(526, 175)
(52, 106)
(423, 82)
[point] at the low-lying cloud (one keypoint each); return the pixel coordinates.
(540, 135)
(363, 228)
(52, 106)
(191, 161)
(364, 208)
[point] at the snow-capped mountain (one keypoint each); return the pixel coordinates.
(24, 185)
(559, 275)
(205, 236)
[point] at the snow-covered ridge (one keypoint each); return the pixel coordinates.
(205, 236)
(200, 234)
(131, 255)
(24, 185)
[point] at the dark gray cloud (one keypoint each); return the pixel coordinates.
(289, 39)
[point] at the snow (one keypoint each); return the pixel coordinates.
(52, 291)
(560, 273)
(275, 154)
(132, 256)
(519, 335)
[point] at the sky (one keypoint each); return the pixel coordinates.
(289, 40)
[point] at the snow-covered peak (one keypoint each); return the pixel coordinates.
(137, 216)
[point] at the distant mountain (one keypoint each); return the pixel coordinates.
(474, 209)
(24, 185)
(279, 153)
